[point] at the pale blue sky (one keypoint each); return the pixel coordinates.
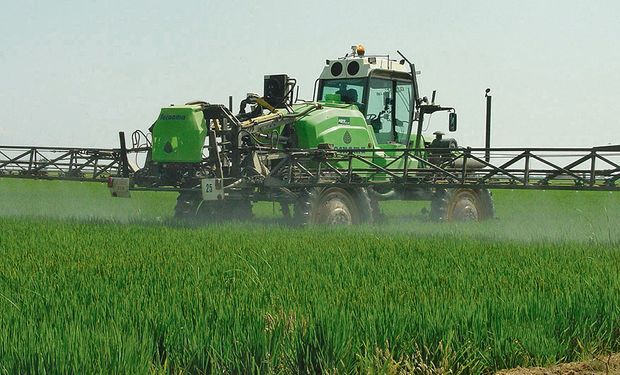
(76, 72)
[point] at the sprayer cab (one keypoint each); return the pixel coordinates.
(383, 89)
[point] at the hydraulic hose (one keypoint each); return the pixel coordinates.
(311, 107)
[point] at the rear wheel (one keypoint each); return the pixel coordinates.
(190, 206)
(213, 211)
(462, 204)
(333, 206)
(187, 205)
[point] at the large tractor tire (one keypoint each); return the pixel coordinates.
(333, 206)
(190, 206)
(187, 205)
(462, 204)
(377, 215)
(216, 211)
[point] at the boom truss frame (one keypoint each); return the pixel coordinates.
(593, 169)
(80, 164)
(529, 168)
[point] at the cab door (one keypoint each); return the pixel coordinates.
(388, 109)
(402, 110)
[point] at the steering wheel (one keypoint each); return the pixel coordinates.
(374, 121)
(371, 117)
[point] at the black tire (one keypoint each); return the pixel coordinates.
(462, 204)
(286, 210)
(333, 206)
(187, 205)
(377, 215)
(190, 206)
(225, 210)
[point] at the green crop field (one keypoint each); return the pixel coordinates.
(92, 284)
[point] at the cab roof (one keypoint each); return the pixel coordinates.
(364, 66)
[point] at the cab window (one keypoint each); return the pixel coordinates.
(351, 91)
(403, 110)
(389, 106)
(379, 113)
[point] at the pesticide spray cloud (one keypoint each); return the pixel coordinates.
(523, 216)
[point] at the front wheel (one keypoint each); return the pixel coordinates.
(333, 206)
(462, 204)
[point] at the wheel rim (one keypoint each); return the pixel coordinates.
(465, 208)
(336, 208)
(339, 216)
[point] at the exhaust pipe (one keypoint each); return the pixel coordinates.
(487, 140)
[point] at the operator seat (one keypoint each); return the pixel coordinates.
(350, 97)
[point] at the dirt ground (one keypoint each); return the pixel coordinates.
(598, 366)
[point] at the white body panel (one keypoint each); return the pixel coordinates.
(212, 189)
(119, 187)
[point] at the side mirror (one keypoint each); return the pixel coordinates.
(452, 121)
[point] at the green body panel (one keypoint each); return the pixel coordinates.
(391, 151)
(179, 135)
(340, 125)
(344, 126)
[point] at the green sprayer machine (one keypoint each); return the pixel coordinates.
(325, 161)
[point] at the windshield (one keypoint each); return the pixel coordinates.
(351, 90)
